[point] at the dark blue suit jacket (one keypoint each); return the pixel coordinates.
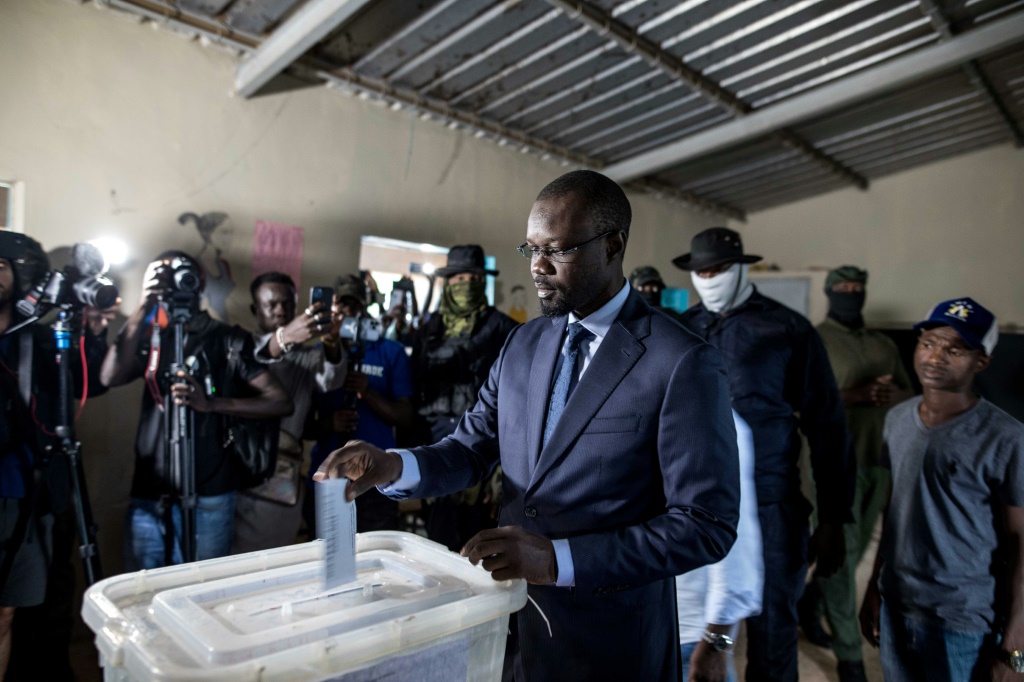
(641, 475)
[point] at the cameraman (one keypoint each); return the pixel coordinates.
(145, 349)
(33, 490)
(269, 515)
(379, 384)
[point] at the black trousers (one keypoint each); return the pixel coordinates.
(772, 636)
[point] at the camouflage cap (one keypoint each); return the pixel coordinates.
(645, 274)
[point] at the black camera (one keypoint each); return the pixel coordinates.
(81, 283)
(181, 275)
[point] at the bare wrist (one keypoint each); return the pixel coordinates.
(395, 466)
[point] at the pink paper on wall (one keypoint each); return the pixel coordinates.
(277, 247)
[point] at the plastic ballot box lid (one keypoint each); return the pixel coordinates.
(414, 606)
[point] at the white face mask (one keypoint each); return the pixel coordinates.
(724, 291)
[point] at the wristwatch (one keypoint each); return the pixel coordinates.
(1014, 659)
(285, 347)
(718, 641)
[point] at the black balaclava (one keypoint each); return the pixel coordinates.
(653, 298)
(845, 306)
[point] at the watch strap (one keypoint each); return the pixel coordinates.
(718, 641)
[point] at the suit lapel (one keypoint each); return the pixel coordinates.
(617, 355)
(541, 370)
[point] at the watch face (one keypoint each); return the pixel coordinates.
(720, 642)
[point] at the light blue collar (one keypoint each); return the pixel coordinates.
(600, 321)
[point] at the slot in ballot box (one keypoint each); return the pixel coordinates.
(416, 611)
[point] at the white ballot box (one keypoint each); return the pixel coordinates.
(415, 612)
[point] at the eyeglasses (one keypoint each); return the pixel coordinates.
(556, 255)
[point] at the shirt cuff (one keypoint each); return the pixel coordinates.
(566, 569)
(407, 481)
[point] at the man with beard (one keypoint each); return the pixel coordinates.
(36, 520)
(452, 356)
(613, 428)
(871, 379)
(946, 600)
(781, 384)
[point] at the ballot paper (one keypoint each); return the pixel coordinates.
(336, 526)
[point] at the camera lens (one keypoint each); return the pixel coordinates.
(186, 280)
(98, 292)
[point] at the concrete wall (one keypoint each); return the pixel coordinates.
(953, 228)
(117, 129)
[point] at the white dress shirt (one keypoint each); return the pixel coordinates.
(732, 589)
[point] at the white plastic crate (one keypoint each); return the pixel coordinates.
(416, 611)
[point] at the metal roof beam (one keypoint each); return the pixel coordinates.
(828, 98)
(633, 42)
(654, 186)
(311, 24)
(937, 16)
(400, 97)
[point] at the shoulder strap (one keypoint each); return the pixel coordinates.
(26, 344)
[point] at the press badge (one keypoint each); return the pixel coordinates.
(336, 526)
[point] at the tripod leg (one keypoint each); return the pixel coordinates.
(86, 526)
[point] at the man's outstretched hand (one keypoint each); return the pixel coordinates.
(363, 464)
(511, 552)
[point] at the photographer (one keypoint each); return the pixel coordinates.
(373, 402)
(33, 489)
(222, 366)
(269, 515)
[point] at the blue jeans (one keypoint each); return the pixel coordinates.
(914, 649)
(144, 539)
(686, 651)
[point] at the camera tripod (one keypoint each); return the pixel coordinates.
(180, 448)
(67, 447)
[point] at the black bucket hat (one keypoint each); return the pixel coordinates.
(465, 258)
(712, 247)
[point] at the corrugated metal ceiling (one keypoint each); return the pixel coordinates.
(604, 81)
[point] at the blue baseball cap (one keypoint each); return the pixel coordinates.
(971, 320)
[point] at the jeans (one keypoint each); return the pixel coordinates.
(772, 635)
(686, 651)
(914, 649)
(144, 539)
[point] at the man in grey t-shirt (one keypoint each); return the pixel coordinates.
(946, 600)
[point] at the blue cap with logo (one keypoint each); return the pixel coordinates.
(971, 320)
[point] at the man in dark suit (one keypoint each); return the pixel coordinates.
(613, 427)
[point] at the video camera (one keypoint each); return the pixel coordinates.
(360, 329)
(80, 284)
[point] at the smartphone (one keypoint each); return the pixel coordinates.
(324, 296)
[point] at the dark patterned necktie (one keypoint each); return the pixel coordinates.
(560, 391)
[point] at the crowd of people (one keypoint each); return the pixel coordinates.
(639, 467)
